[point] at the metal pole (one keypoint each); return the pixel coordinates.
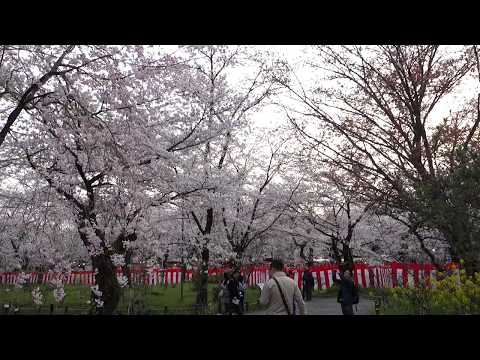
(182, 275)
(182, 279)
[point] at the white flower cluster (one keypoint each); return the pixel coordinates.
(122, 280)
(118, 260)
(94, 251)
(63, 266)
(98, 296)
(96, 291)
(59, 294)
(151, 263)
(22, 279)
(37, 296)
(58, 290)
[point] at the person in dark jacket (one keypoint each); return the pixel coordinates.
(308, 283)
(224, 296)
(236, 294)
(348, 293)
(243, 292)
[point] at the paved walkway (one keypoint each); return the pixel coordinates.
(329, 306)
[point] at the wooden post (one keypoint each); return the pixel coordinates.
(165, 310)
(51, 309)
(377, 306)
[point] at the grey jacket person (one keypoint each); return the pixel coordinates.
(271, 295)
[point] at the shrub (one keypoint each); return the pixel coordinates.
(215, 293)
(451, 294)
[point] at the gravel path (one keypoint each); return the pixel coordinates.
(329, 306)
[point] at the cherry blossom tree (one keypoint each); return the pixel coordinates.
(119, 154)
(258, 195)
(119, 130)
(24, 73)
(106, 130)
(375, 114)
(36, 233)
(227, 104)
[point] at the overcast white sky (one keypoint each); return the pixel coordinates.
(296, 54)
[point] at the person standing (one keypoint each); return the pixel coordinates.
(242, 287)
(281, 293)
(308, 283)
(224, 295)
(348, 293)
(236, 294)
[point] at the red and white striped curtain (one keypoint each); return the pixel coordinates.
(364, 275)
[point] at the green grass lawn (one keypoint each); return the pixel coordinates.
(150, 299)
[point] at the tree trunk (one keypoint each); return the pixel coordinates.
(348, 262)
(343, 257)
(121, 249)
(106, 279)
(310, 257)
(126, 268)
(237, 264)
(202, 295)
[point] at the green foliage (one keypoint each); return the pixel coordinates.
(215, 292)
(454, 294)
(451, 204)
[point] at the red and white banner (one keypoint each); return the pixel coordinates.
(378, 276)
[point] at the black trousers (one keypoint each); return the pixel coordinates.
(347, 309)
(307, 293)
(236, 309)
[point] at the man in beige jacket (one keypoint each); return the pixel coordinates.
(271, 295)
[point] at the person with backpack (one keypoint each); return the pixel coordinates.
(347, 293)
(281, 293)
